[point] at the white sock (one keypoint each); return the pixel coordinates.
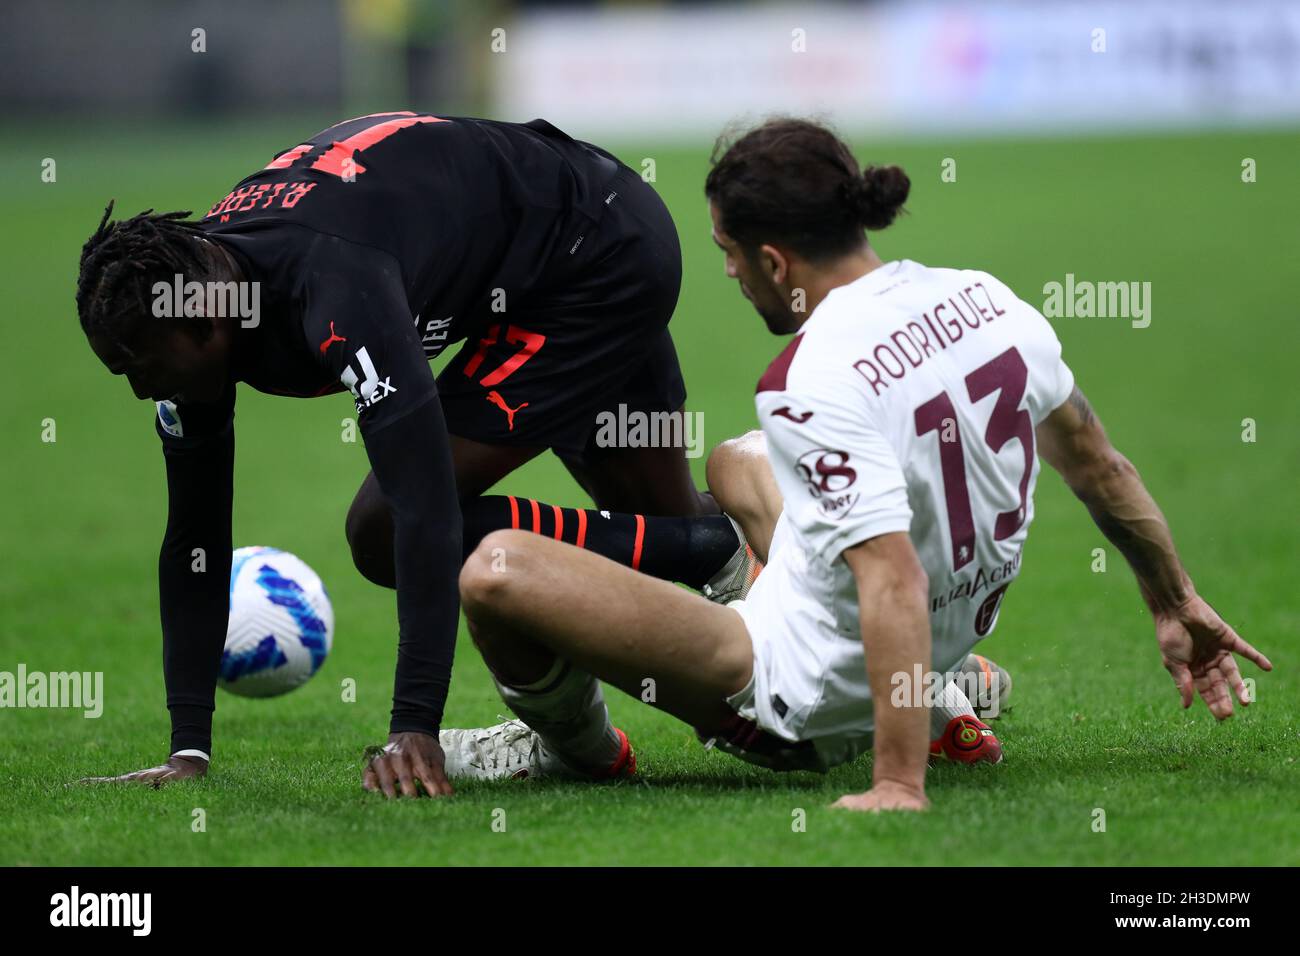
(567, 709)
(952, 703)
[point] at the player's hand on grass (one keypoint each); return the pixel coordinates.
(176, 768)
(885, 795)
(408, 759)
(1196, 646)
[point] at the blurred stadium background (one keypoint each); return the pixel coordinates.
(1108, 140)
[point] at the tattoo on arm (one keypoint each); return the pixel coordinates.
(1120, 505)
(1080, 405)
(1137, 549)
(1129, 517)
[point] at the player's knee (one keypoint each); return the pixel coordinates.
(729, 470)
(370, 538)
(485, 581)
(731, 454)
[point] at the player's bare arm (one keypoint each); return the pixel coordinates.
(893, 591)
(1196, 644)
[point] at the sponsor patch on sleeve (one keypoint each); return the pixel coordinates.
(169, 419)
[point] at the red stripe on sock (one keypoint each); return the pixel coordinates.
(640, 538)
(537, 517)
(514, 512)
(559, 522)
(582, 528)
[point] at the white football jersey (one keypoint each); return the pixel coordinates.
(907, 402)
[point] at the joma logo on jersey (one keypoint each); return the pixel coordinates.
(785, 411)
(368, 388)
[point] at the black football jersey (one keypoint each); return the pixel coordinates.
(380, 241)
(374, 244)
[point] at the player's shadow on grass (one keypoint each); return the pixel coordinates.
(687, 782)
(712, 783)
(854, 776)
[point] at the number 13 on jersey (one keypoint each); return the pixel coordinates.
(1007, 375)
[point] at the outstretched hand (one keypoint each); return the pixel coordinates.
(176, 768)
(1196, 646)
(408, 758)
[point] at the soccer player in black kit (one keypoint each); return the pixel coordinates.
(376, 244)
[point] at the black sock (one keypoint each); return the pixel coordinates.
(687, 550)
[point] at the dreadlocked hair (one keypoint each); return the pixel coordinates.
(121, 262)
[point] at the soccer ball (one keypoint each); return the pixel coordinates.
(281, 624)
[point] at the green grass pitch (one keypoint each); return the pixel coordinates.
(1095, 721)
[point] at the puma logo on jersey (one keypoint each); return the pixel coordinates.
(331, 340)
(495, 398)
(368, 389)
(785, 412)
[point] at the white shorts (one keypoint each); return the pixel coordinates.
(751, 741)
(808, 704)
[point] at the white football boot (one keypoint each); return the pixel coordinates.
(737, 576)
(506, 750)
(986, 676)
(513, 750)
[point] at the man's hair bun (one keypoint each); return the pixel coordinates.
(878, 195)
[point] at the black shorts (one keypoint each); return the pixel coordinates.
(596, 340)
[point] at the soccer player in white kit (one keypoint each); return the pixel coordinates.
(901, 427)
